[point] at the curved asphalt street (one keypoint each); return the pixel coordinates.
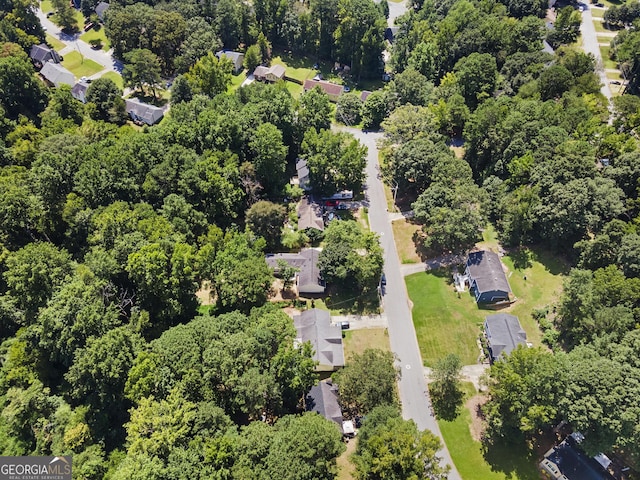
(404, 344)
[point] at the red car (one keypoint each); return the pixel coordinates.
(331, 203)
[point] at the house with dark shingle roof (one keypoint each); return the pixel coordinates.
(310, 214)
(504, 333)
(323, 399)
(332, 90)
(487, 280)
(41, 54)
(100, 9)
(315, 326)
(79, 91)
(308, 279)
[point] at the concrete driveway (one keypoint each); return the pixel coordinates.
(360, 322)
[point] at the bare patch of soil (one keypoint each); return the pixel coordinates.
(204, 294)
(477, 426)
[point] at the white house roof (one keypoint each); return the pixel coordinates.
(57, 74)
(144, 112)
(326, 338)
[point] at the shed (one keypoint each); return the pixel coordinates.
(487, 280)
(143, 112)
(504, 333)
(236, 58)
(332, 90)
(79, 91)
(364, 95)
(41, 54)
(57, 75)
(315, 326)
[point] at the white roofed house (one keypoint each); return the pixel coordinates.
(269, 74)
(308, 279)
(57, 75)
(315, 326)
(141, 112)
(237, 59)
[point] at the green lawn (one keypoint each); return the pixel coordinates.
(294, 89)
(117, 79)
(236, 81)
(46, 6)
(80, 66)
(300, 70)
(474, 462)
(55, 43)
(357, 341)
(448, 323)
(96, 34)
(606, 61)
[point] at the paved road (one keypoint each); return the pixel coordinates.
(396, 9)
(412, 385)
(590, 45)
(73, 43)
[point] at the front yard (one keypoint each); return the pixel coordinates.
(93, 34)
(80, 66)
(446, 322)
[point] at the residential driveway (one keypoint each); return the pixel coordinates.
(412, 386)
(396, 9)
(432, 264)
(359, 322)
(473, 373)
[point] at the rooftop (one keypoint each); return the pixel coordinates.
(485, 268)
(504, 333)
(326, 339)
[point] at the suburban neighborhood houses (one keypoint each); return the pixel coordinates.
(321, 240)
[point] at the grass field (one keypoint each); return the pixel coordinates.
(357, 341)
(473, 462)
(46, 6)
(117, 79)
(403, 232)
(80, 66)
(606, 61)
(55, 43)
(448, 323)
(299, 69)
(96, 34)
(236, 81)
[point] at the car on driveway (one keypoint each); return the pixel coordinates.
(331, 203)
(342, 206)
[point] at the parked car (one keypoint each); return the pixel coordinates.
(615, 82)
(345, 325)
(342, 206)
(331, 203)
(383, 280)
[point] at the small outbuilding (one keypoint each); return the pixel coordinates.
(141, 112)
(57, 75)
(326, 338)
(302, 171)
(487, 280)
(504, 333)
(237, 59)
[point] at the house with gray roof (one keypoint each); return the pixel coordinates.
(269, 74)
(79, 91)
(308, 279)
(315, 326)
(100, 9)
(310, 214)
(41, 54)
(302, 171)
(323, 399)
(141, 112)
(57, 75)
(504, 333)
(487, 280)
(237, 59)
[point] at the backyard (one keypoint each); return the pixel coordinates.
(448, 322)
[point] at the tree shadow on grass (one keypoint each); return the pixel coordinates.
(447, 405)
(513, 459)
(522, 258)
(554, 263)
